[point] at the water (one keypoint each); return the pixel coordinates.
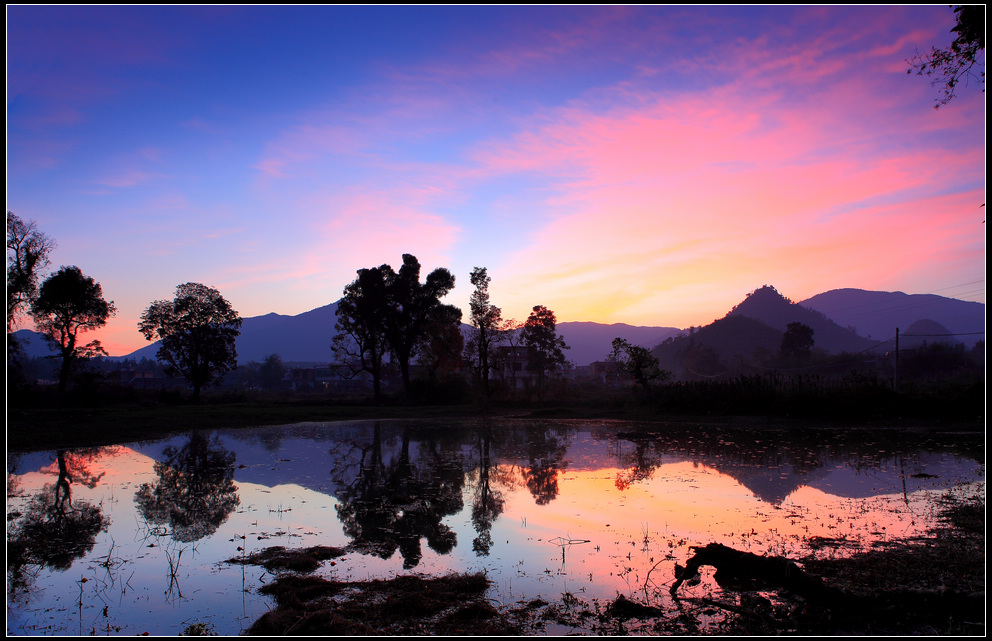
(135, 538)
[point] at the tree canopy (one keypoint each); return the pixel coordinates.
(384, 312)
(198, 330)
(27, 254)
(487, 324)
(638, 362)
(68, 304)
(545, 355)
(947, 68)
(413, 308)
(797, 343)
(361, 324)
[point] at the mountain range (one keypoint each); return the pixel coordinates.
(850, 320)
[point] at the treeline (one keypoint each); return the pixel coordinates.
(394, 339)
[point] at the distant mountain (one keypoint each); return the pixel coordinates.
(749, 338)
(925, 332)
(590, 342)
(878, 314)
(34, 344)
(776, 311)
(304, 338)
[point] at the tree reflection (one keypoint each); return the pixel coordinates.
(393, 503)
(487, 504)
(195, 491)
(54, 531)
(546, 450)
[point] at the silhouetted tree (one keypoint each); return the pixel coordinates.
(195, 491)
(440, 348)
(486, 321)
(198, 330)
(948, 67)
(386, 312)
(68, 304)
(545, 347)
(27, 254)
(271, 371)
(413, 307)
(638, 362)
(361, 324)
(797, 343)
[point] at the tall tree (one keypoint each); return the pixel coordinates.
(440, 348)
(639, 362)
(68, 304)
(487, 327)
(947, 68)
(198, 330)
(27, 254)
(545, 355)
(412, 307)
(797, 343)
(361, 324)
(271, 371)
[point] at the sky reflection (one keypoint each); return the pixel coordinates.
(554, 508)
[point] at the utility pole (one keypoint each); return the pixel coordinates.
(897, 361)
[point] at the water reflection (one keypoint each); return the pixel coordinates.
(392, 503)
(195, 490)
(487, 501)
(507, 497)
(53, 532)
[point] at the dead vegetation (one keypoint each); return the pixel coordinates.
(929, 585)
(278, 558)
(406, 605)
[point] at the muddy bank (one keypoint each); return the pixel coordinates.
(929, 585)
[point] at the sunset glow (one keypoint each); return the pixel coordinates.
(640, 165)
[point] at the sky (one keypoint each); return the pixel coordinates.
(639, 165)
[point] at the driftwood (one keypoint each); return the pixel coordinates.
(733, 566)
(744, 570)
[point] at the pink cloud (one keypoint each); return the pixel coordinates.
(661, 206)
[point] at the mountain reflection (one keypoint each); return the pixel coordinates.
(195, 491)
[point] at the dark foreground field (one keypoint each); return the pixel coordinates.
(41, 419)
(933, 585)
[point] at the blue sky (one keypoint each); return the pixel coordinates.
(617, 164)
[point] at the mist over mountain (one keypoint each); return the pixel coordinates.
(878, 314)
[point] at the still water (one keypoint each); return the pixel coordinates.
(136, 538)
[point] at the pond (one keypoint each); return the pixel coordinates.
(137, 538)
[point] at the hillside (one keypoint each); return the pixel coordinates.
(878, 314)
(776, 311)
(748, 339)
